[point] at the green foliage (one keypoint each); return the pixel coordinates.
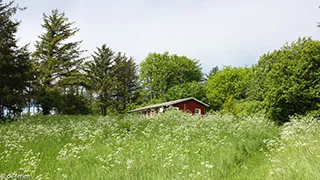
(228, 83)
(16, 72)
(313, 114)
(243, 107)
(160, 72)
(100, 79)
(58, 61)
(229, 106)
(49, 98)
(185, 90)
(143, 102)
(74, 104)
(126, 87)
(288, 80)
(212, 72)
(113, 78)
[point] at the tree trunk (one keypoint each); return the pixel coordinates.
(45, 110)
(1, 112)
(104, 111)
(29, 106)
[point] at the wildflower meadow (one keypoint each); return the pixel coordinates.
(173, 145)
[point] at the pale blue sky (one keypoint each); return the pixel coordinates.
(215, 32)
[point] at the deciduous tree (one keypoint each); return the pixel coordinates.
(185, 90)
(288, 79)
(160, 72)
(228, 83)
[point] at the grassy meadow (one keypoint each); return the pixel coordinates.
(171, 146)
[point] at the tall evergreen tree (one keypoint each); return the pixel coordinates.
(100, 78)
(125, 73)
(15, 64)
(113, 78)
(212, 72)
(58, 60)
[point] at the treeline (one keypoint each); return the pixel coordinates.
(57, 78)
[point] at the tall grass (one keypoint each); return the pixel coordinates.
(174, 145)
(295, 154)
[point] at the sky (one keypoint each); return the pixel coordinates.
(215, 32)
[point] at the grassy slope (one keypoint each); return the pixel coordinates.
(171, 146)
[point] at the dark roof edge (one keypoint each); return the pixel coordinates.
(200, 101)
(168, 104)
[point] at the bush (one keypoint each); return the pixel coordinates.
(313, 114)
(241, 107)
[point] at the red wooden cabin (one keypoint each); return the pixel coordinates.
(189, 105)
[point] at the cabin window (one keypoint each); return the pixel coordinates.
(152, 112)
(197, 111)
(161, 110)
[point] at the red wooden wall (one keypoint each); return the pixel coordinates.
(187, 106)
(190, 106)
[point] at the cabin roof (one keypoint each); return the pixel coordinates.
(168, 104)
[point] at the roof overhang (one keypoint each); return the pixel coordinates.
(169, 103)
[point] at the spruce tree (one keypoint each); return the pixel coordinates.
(15, 65)
(212, 72)
(100, 78)
(113, 80)
(58, 61)
(125, 73)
